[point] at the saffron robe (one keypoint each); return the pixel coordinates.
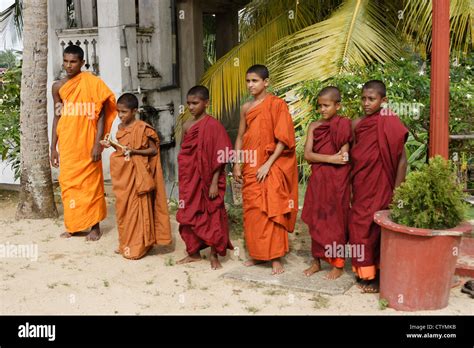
(270, 207)
(203, 221)
(141, 205)
(81, 180)
(379, 143)
(326, 204)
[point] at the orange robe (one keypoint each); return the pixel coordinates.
(270, 207)
(141, 206)
(81, 179)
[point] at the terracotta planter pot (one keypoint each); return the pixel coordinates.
(417, 265)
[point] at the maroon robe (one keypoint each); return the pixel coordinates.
(203, 221)
(326, 203)
(379, 142)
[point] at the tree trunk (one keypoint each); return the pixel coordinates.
(36, 193)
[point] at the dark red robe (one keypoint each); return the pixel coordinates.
(379, 142)
(326, 203)
(203, 221)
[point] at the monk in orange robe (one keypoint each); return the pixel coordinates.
(202, 180)
(137, 180)
(84, 110)
(326, 204)
(378, 167)
(266, 145)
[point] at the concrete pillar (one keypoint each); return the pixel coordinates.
(117, 44)
(190, 32)
(227, 32)
(439, 97)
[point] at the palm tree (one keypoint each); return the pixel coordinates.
(302, 40)
(36, 192)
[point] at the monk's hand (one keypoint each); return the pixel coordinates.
(54, 158)
(105, 143)
(97, 152)
(237, 173)
(127, 152)
(337, 158)
(262, 172)
(213, 191)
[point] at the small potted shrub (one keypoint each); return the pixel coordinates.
(421, 234)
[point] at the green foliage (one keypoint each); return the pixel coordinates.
(10, 119)
(408, 92)
(7, 59)
(430, 197)
(383, 304)
(236, 223)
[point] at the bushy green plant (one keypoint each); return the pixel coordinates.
(430, 197)
(10, 119)
(408, 91)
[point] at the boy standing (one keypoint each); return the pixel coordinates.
(270, 186)
(202, 180)
(84, 110)
(137, 180)
(378, 166)
(326, 204)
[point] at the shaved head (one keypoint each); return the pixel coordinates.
(331, 92)
(260, 70)
(376, 85)
(199, 91)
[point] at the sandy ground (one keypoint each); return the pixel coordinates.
(72, 276)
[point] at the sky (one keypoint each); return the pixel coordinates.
(5, 3)
(8, 37)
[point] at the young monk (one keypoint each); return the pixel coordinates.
(202, 180)
(378, 166)
(326, 204)
(137, 180)
(84, 110)
(270, 184)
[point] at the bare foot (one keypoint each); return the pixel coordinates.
(215, 264)
(361, 283)
(277, 267)
(190, 258)
(117, 251)
(335, 273)
(315, 267)
(253, 262)
(65, 235)
(95, 233)
(372, 287)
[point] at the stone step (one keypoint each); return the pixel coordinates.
(465, 264)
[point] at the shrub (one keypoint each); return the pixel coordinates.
(429, 198)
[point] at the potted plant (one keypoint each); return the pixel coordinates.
(420, 239)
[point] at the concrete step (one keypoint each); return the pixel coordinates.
(465, 264)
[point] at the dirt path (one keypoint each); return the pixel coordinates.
(72, 276)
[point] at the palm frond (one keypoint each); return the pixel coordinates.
(417, 25)
(357, 34)
(226, 78)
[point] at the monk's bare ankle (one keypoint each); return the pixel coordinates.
(253, 262)
(190, 258)
(277, 266)
(315, 267)
(335, 273)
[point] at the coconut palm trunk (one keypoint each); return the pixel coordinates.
(36, 193)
